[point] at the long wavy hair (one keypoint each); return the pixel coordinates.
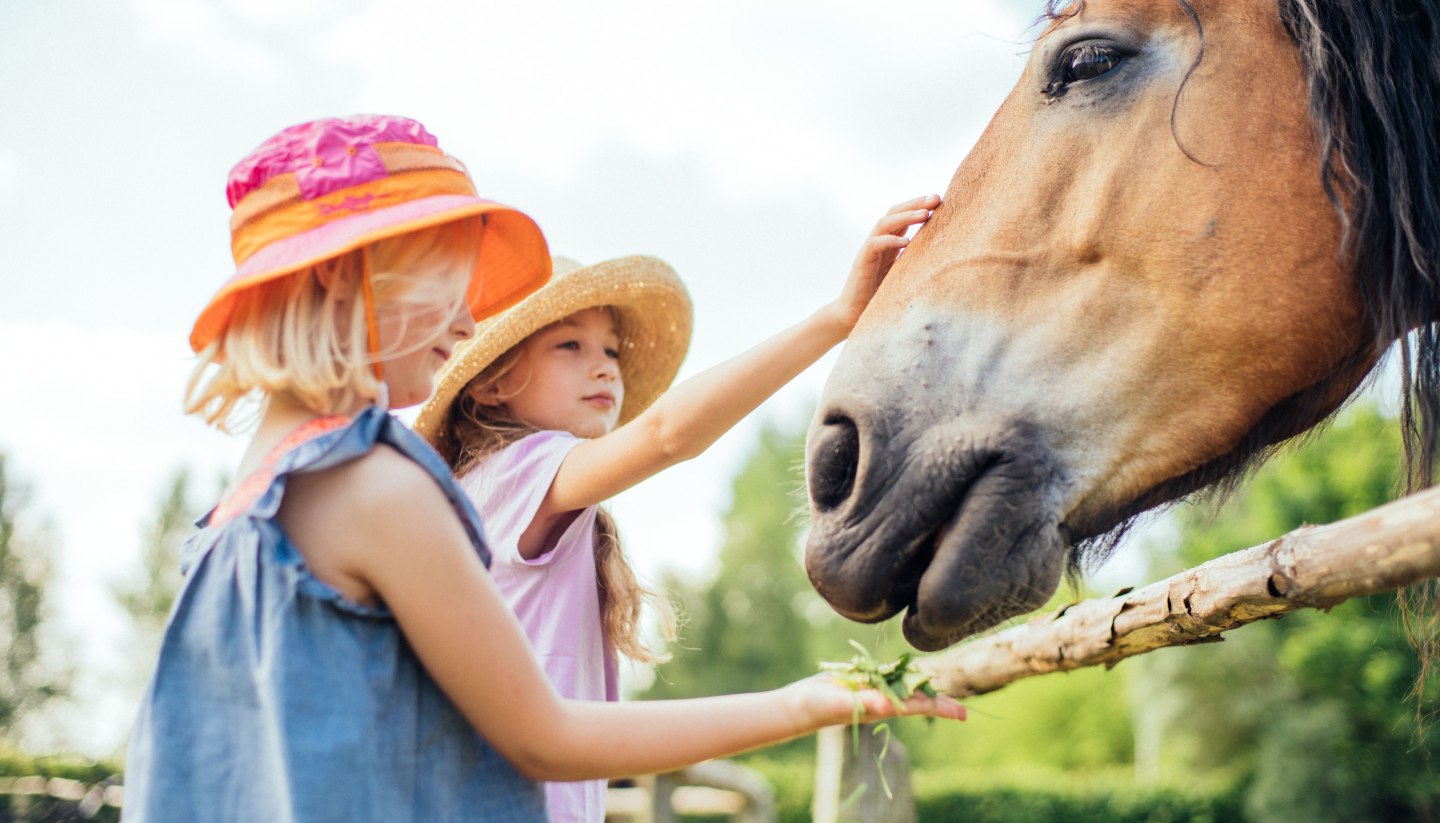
(477, 431)
(303, 337)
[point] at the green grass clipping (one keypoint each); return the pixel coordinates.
(897, 680)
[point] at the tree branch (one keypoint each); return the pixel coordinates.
(1312, 567)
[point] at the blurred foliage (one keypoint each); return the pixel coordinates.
(40, 808)
(1309, 714)
(746, 630)
(1006, 795)
(148, 595)
(68, 766)
(44, 809)
(25, 557)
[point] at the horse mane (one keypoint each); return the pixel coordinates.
(1372, 68)
(1372, 71)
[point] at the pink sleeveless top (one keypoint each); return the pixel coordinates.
(555, 596)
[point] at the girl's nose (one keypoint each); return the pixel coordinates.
(607, 368)
(462, 325)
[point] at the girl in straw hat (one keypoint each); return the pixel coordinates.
(338, 651)
(557, 404)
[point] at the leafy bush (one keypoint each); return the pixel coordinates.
(1016, 795)
(29, 808)
(68, 767)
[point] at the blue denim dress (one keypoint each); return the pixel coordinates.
(277, 700)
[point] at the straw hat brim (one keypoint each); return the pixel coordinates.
(655, 320)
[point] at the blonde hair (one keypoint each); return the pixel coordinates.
(473, 431)
(304, 336)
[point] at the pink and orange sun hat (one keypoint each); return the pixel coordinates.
(323, 188)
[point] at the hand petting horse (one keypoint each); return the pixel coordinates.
(1188, 235)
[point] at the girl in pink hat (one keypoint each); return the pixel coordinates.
(339, 651)
(560, 402)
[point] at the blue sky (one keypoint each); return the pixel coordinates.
(750, 144)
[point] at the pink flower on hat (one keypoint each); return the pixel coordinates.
(324, 155)
(321, 189)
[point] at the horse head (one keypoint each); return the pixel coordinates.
(1188, 235)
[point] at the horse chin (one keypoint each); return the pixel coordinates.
(976, 519)
(955, 601)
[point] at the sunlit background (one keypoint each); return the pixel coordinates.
(749, 144)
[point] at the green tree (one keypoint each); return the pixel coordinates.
(747, 629)
(25, 684)
(148, 596)
(1308, 713)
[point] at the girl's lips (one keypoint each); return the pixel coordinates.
(603, 400)
(442, 354)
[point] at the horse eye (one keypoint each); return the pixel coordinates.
(1089, 61)
(1084, 62)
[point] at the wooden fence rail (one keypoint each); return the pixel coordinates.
(714, 787)
(1315, 567)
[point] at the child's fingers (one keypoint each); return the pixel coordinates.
(924, 201)
(940, 706)
(886, 242)
(897, 222)
(877, 706)
(880, 247)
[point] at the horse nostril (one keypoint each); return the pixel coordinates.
(834, 461)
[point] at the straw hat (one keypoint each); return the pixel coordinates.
(323, 188)
(655, 319)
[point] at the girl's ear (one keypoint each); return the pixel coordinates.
(484, 395)
(325, 274)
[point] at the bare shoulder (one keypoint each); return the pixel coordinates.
(354, 519)
(383, 484)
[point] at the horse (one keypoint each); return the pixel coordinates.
(1190, 233)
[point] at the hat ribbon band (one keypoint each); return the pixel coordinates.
(294, 217)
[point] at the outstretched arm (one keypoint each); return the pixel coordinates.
(384, 524)
(688, 418)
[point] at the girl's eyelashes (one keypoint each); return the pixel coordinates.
(575, 345)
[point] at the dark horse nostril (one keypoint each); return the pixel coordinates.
(833, 462)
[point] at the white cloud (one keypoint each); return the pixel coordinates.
(767, 95)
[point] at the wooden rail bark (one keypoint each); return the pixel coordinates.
(1315, 567)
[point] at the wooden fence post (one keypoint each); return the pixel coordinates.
(661, 809)
(853, 784)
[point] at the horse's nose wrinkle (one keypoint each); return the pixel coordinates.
(834, 462)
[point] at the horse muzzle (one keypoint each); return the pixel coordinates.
(957, 522)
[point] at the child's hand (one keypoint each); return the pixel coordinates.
(877, 254)
(826, 701)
